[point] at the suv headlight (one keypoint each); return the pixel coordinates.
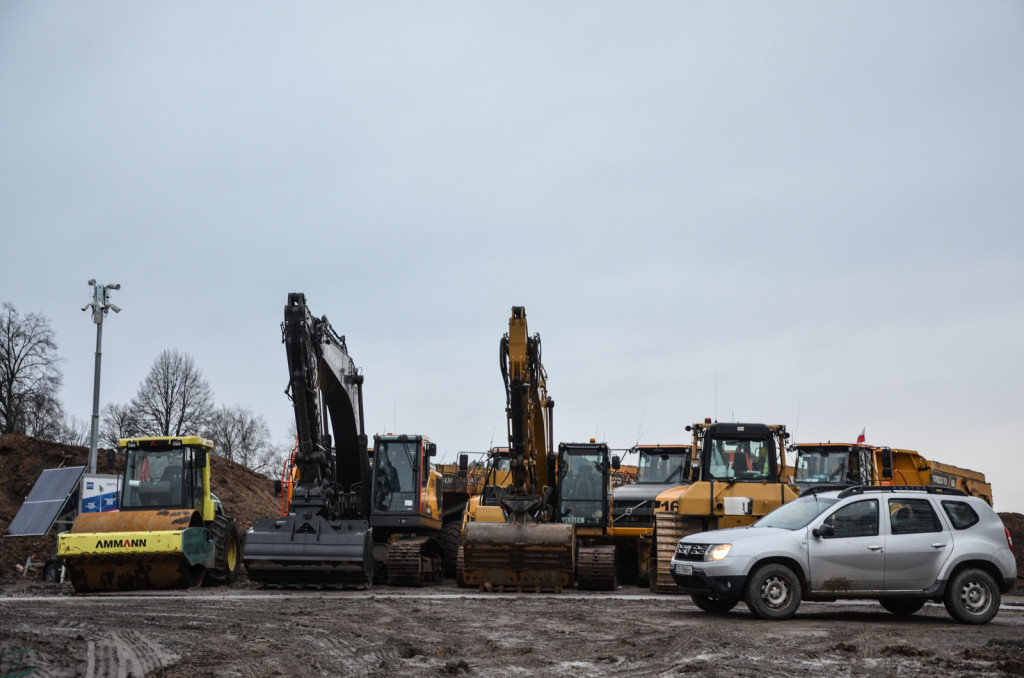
(718, 551)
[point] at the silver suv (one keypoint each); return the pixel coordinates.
(901, 545)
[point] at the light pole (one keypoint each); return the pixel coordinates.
(100, 304)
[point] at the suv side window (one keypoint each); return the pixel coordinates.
(961, 514)
(859, 519)
(913, 516)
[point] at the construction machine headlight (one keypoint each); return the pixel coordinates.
(718, 551)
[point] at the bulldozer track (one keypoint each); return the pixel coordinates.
(669, 528)
(595, 568)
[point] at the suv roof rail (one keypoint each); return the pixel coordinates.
(824, 487)
(930, 489)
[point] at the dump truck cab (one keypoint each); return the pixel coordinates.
(832, 464)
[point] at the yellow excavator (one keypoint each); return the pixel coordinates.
(739, 476)
(170, 531)
(517, 543)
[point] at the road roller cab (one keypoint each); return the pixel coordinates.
(170, 532)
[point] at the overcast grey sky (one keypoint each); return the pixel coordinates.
(801, 213)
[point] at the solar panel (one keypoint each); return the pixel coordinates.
(45, 502)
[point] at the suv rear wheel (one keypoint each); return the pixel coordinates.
(972, 597)
(773, 592)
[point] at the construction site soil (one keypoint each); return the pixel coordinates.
(442, 630)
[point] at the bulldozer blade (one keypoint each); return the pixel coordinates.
(519, 555)
(309, 553)
(132, 550)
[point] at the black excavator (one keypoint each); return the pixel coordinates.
(325, 540)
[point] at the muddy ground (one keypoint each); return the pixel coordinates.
(444, 631)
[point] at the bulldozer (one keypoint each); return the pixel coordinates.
(170, 531)
(739, 476)
(846, 464)
(517, 543)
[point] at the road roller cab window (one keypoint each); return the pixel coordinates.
(154, 479)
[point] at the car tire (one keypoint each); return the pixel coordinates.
(903, 607)
(773, 592)
(972, 597)
(713, 604)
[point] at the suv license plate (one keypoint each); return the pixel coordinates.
(684, 570)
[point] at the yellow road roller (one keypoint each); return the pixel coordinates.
(170, 531)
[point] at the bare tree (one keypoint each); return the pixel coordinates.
(74, 431)
(30, 375)
(242, 437)
(118, 421)
(174, 399)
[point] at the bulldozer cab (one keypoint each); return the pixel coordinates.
(739, 453)
(583, 481)
(163, 474)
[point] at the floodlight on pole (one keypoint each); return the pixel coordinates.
(99, 305)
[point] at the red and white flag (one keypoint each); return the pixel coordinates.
(861, 437)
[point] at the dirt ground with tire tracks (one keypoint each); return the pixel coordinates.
(445, 631)
(442, 630)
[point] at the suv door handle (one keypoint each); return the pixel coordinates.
(938, 545)
(874, 548)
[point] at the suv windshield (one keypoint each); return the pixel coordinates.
(796, 514)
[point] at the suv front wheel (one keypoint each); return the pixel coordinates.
(773, 592)
(972, 597)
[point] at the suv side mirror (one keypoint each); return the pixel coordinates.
(824, 531)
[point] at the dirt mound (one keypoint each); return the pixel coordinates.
(246, 495)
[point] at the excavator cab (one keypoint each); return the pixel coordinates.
(583, 481)
(403, 484)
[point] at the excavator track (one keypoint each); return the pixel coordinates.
(411, 563)
(669, 528)
(595, 570)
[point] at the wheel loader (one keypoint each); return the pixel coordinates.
(170, 532)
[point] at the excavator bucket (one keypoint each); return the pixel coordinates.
(309, 553)
(130, 550)
(519, 555)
